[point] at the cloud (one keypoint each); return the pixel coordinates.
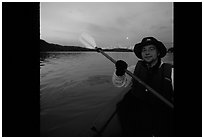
(109, 22)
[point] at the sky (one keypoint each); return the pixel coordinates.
(111, 24)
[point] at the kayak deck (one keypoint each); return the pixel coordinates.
(107, 123)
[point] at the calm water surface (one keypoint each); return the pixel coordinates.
(75, 87)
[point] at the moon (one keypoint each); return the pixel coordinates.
(127, 38)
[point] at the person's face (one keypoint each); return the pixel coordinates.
(149, 53)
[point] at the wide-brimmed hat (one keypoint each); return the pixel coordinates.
(148, 41)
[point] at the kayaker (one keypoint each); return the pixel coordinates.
(141, 112)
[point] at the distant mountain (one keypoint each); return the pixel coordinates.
(170, 50)
(118, 50)
(49, 47)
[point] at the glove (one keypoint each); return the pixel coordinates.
(121, 66)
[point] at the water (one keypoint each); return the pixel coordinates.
(74, 88)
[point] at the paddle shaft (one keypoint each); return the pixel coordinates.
(140, 81)
(107, 56)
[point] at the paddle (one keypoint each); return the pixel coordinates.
(89, 42)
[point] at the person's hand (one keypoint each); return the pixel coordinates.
(121, 66)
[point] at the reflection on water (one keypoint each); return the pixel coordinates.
(46, 57)
(98, 79)
(74, 87)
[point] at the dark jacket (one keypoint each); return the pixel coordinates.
(143, 114)
(157, 77)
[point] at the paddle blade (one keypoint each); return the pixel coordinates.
(87, 41)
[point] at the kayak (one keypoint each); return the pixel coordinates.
(107, 123)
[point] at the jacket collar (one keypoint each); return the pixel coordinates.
(155, 67)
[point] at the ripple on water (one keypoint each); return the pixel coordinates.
(98, 80)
